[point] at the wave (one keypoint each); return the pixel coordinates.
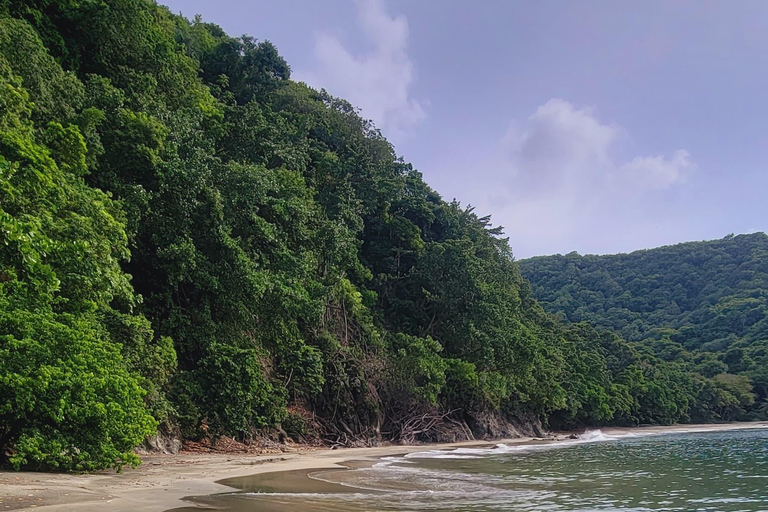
(590, 436)
(626, 477)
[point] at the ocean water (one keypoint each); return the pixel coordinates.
(714, 471)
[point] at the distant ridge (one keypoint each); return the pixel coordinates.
(697, 301)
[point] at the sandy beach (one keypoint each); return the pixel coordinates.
(163, 481)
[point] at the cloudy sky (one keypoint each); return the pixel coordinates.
(596, 126)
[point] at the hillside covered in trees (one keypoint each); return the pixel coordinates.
(703, 305)
(192, 242)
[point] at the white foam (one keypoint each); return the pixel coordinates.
(590, 436)
(597, 435)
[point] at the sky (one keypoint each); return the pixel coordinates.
(593, 126)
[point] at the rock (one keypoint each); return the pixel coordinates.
(160, 443)
(497, 426)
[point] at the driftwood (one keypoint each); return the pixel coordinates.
(422, 427)
(336, 436)
(414, 423)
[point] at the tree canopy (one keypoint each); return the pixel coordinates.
(699, 305)
(192, 241)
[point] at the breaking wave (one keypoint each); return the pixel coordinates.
(590, 436)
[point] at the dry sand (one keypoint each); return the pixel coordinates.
(162, 481)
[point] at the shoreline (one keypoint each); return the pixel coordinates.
(162, 481)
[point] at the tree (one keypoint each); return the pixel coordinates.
(68, 401)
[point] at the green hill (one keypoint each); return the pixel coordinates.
(192, 242)
(701, 303)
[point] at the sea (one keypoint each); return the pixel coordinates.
(724, 471)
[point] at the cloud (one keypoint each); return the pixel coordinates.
(378, 82)
(565, 189)
(657, 171)
(557, 133)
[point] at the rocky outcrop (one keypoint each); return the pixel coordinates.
(163, 442)
(496, 426)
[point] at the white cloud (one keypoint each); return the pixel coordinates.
(557, 133)
(657, 171)
(378, 82)
(566, 189)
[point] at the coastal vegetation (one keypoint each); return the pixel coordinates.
(190, 241)
(700, 306)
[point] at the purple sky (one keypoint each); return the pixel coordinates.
(596, 126)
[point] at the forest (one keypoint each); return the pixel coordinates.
(191, 243)
(700, 305)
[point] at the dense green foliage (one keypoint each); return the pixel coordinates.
(189, 238)
(699, 306)
(67, 397)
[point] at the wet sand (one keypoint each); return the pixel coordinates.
(296, 481)
(162, 482)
